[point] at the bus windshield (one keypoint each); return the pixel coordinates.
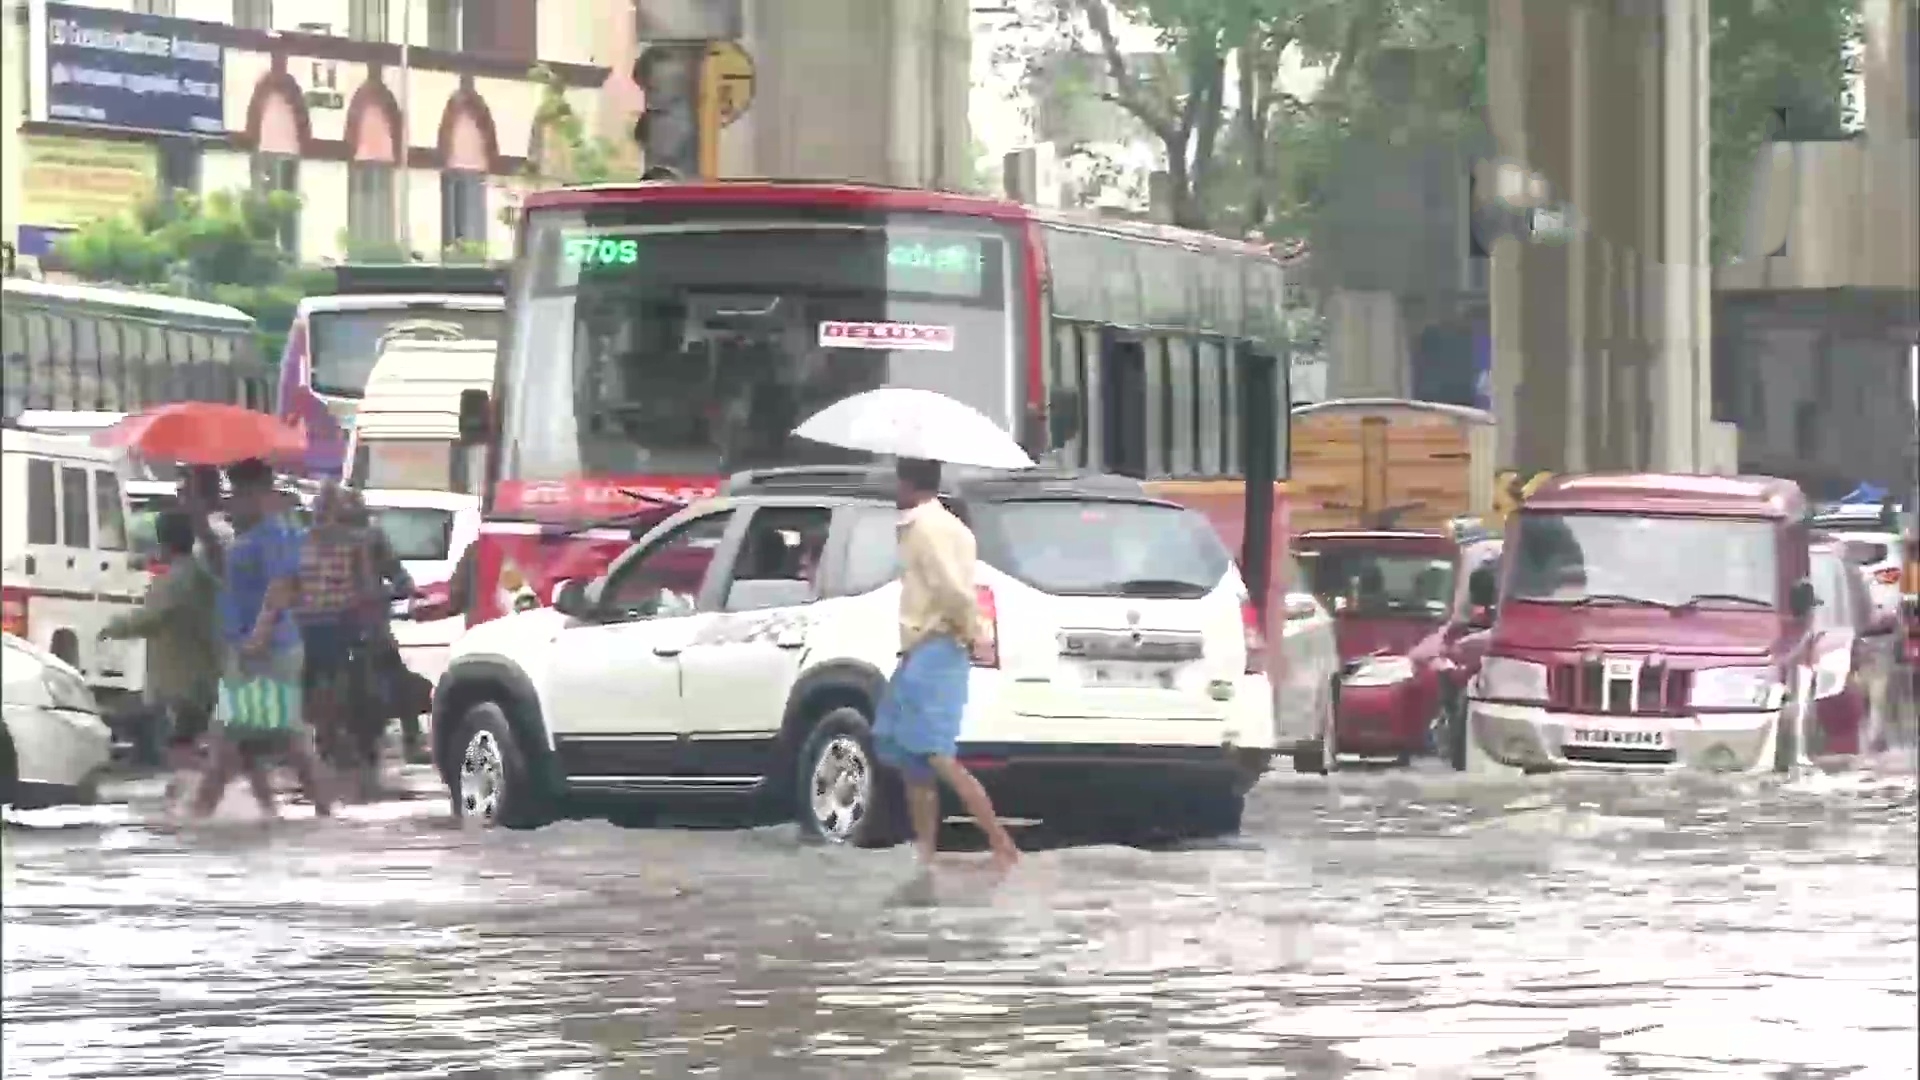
(653, 349)
(346, 343)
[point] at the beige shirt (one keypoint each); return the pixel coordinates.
(936, 577)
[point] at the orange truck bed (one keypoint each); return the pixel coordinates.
(1376, 463)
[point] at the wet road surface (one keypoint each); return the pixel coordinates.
(1411, 924)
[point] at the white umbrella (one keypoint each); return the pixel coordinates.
(915, 424)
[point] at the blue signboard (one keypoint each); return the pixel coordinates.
(141, 72)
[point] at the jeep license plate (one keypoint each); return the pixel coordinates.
(1125, 676)
(1618, 738)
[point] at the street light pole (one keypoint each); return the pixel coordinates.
(403, 188)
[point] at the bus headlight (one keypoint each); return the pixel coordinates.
(1502, 678)
(1736, 688)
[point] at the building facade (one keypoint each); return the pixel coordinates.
(402, 125)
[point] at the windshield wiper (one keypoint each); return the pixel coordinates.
(1697, 599)
(1171, 588)
(1614, 598)
(651, 508)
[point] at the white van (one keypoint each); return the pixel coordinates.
(406, 434)
(66, 553)
(428, 530)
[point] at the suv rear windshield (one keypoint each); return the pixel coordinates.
(1084, 547)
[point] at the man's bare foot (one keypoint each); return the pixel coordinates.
(1005, 857)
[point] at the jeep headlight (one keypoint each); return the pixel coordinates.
(1380, 671)
(1736, 688)
(1502, 678)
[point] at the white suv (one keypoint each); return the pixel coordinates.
(739, 648)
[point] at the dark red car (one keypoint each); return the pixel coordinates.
(1407, 637)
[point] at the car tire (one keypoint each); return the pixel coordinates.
(1786, 738)
(9, 768)
(489, 781)
(841, 794)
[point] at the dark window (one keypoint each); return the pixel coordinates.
(345, 344)
(778, 559)
(179, 165)
(367, 20)
(1182, 440)
(1374, 583)
(76, 529)
(154, 7)
(370, 202)
(499, 27)
(43, 504)
(1076, 547)
(666, 578)
(463, 207)
(1563, 558)
(415, 533)
(86, 361)
(1126, 429)
(253, 14)
(108, 511)
(280, 172)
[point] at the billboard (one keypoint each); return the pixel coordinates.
(71, 182)
(118, 69)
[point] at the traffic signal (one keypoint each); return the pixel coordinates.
(668, 131)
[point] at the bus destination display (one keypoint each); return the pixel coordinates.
(929, 263)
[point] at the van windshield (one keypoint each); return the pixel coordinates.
(1627, 558)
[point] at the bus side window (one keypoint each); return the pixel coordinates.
(39, 359)
(205, 386)
(159, 378)
(65, 385)
(110, 519)
(13, 350)
(86, 361)
(1214, 423)
(113, 369)
(76, 508)
(1069, 375)
(180, 364)
(1182, 455)
(43, 503)
(1123, 406)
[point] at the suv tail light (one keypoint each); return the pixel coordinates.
(986, 651)
(1887, 575)
(13, 612)
(1256, 638)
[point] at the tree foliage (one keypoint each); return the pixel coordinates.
(568, 153)
(1243, 155)
(222, 247)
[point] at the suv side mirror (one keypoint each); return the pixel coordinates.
(1801, 599)
(571, 599)
(476, 416)
(1063, 417)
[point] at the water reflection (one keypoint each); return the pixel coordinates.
(1394, 925)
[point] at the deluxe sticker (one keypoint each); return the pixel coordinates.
(886, 335)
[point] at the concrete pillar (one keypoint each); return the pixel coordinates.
(1369, 340)
(1602, 341)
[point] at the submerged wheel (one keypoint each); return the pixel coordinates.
(490, 781)
(842, 796)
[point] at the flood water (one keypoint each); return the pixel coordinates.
(1411, 924)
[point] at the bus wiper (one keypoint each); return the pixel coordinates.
(651, 508)
(1697, 599)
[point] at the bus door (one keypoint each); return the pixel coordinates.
(1262, 413)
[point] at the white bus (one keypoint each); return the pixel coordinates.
(90, 348)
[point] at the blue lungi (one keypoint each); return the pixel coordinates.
(919, 715)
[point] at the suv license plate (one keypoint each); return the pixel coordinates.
(1124, 676)
(1618, 738)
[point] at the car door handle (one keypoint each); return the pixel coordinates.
(29, 565)
(789, 643)
(72, 561)
(666, 650)
(106, 566)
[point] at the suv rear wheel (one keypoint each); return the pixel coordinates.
(842, 796)
(490, 781)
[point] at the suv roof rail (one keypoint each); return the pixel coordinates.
(878, 482)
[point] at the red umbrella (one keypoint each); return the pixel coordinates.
(203, 433)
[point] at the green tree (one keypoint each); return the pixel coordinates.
(568, 152)
(223, 247)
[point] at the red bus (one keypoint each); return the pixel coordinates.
(664, 335)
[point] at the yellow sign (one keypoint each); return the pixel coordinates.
(1509, 491)
(726, 91)
(74, 182)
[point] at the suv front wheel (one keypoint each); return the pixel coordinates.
(842, 795)
(489, 781)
